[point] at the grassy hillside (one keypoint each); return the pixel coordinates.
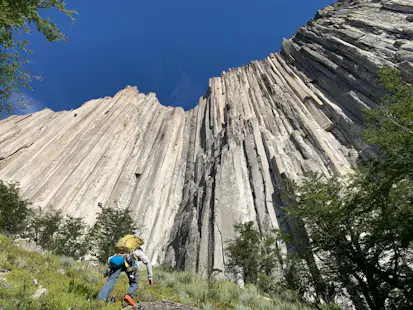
(73, 285)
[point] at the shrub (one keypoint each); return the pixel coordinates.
(13, 210)
(70, 239)
(62, 235)
(255, 255)
(44, 226)
(111, 225)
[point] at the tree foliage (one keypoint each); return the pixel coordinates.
(17, 18)
(71, 238)
(361, 228)
(43, 227)
(111, 225)
(13, 210)
(361, 236)
(254, 255)
(62, 235)
(390, 127)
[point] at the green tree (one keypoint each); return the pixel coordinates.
(111, 225)
(70, 239)
(17, 18)
(362, 237)
(13, 210)
(390, 130)
(361, 228)
(58, 234)
(390, 127)
(254, 255)
(44, 226)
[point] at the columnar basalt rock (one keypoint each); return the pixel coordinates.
(188, 177)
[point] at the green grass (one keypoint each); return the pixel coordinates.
(73, 285)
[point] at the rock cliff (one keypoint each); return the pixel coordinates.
(187, 177)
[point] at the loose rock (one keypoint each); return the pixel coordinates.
(40, 292)
(28, 245)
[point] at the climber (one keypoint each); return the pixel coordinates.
(128, 252)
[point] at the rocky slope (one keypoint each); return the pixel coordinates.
(187, 177)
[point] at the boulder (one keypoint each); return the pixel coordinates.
(28, 245)
(3, 272)
(40, 292)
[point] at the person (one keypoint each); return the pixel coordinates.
(128, 263)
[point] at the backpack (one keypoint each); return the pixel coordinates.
(127, 244)
(116, 261)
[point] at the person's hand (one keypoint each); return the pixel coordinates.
(150, 282)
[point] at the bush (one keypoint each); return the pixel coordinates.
(13, 210)
(255, 255)
(111, 225)
(67, 236)
(43, 227)
(70, 239)
(60, 235)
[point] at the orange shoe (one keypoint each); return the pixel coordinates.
(129, 300)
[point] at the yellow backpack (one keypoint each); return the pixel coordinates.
(128, 243)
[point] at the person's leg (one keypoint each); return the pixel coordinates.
(133, 283)
(110, 283)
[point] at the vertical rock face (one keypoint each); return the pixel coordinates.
(188, 177)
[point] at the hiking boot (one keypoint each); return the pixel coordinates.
(129, 300)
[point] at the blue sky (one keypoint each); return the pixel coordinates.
(162, 46)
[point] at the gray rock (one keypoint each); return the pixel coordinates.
(40, 292)
(403, 6)
(407, 70)
(28, 245)
(188, 177)
(3, 272)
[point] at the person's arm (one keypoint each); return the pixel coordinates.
(144, 258)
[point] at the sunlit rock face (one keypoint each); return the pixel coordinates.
(188, 177)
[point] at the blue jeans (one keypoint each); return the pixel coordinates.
(110, 283)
